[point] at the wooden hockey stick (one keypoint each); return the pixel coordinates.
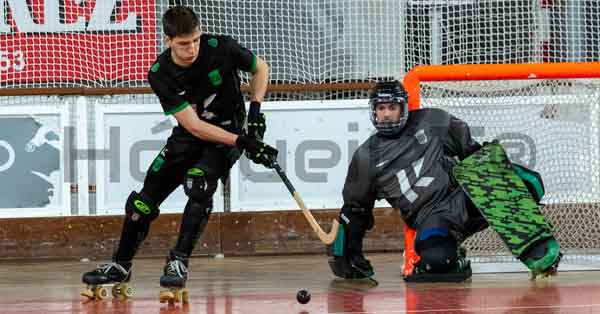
(326, 238)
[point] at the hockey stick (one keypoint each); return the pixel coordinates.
(326, 238)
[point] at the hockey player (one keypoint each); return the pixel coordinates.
(408, 162)
(196, 79)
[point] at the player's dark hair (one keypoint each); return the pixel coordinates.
(180, 20)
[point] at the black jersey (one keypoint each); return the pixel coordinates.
(412, 170)
(212, 82)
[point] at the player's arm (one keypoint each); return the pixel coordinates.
(247, 61)
(259, 80)
(358, 191)
(257, 124)
(203, 130)
(460, 143)
(256, 150)
(356, 215)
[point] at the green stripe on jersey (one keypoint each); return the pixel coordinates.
(177, 109)
(253, 65)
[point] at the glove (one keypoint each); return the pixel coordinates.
(257, 151)
(256, 121)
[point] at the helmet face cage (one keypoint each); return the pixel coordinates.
(389, 92)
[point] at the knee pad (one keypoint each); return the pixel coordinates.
(199, 185)
(140, 208)
(439, 254)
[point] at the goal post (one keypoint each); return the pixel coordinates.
(484, 72)
(548, 117)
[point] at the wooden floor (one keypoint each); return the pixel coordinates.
(269, 285)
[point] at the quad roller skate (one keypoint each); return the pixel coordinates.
(112, 275)
(174, 279)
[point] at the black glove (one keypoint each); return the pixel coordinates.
(257, 151)
(256, 121)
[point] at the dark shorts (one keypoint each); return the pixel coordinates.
(170, 166)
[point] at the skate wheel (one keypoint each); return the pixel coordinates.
(116, 291)
(101, 293)
(166, 296)
(88, 293)
(177, 296)
(532, 276)
(185, 296)
(127, 291)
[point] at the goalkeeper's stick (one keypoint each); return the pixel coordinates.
(326, 238)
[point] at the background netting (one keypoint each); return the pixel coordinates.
(111, 44)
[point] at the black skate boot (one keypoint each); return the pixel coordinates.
(112, 274)
(542, 259)
(461, 272)
(362, 266)
(174, 278)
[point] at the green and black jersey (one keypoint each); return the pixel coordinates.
(212, 82)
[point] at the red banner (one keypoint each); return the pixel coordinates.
(104, 41)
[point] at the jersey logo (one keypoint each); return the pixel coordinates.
(209, 100)
(421, 137)
(215, 77)
(381, 164)
(213, 42)
(155, 67)
(405, 184)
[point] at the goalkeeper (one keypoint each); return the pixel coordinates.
(408, 162)
(197, 81)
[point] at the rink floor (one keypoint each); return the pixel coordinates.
(269, 285)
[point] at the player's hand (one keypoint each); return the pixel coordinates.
(257, 151)
(256, 121)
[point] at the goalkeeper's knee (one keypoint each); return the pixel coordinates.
(438, 251)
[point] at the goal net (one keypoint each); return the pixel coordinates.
(547, 116)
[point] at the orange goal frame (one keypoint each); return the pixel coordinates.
(481, 72)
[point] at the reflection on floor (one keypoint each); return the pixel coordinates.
(269, 285)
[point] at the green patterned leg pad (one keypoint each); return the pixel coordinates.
(491, 182)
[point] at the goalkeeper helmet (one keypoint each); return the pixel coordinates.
(389, 92)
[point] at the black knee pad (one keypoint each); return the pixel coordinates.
(199, 185)
(439, 254)
(140, 209)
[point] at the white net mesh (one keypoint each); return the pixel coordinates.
(78, 43)
(551, 126)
